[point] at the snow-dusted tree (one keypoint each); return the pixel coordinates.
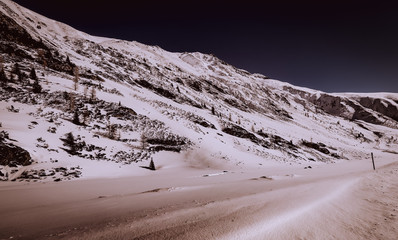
(76, 119)
(85, 92)
(86, 114)
(70, 142)
(93, 94)
(111, 130)
(119, 135)
(76, 78)
(71, 102)
(143, 141)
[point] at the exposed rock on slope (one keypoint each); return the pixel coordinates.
(127, 103)
(12, 155)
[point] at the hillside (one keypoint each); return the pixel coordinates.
(105, 107)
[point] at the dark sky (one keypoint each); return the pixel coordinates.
(334, 46)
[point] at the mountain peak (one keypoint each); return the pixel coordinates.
(107, 105)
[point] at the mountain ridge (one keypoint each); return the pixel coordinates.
(179, 104)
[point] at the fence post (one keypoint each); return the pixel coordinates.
(373, 161)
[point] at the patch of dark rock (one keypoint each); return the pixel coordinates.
(122, 112)
(317, 146)
(380, 106)
(62, 172)
(178, 80)
(262, 134)
(234, 103)
(191, 102)
(60, 169)
(281, 142)
(378, 134)
(328, 103)
(240, 132)
(215, 86)
(92, 77)
(390, 151)
(283, 113)
(195, 85)
(362, 126)
(204, 123)
(170, 142)
(158, 90)
(266, 178)
(12, 155)
(362, 114)
(154, 190)
(11, 31)
(165, 148)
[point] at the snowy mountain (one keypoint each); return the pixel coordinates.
(74, 105)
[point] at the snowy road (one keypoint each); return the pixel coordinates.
(338, 201)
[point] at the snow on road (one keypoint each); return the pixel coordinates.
(337, 201)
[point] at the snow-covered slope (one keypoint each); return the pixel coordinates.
(109, 106)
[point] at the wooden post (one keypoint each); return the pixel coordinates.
(373, 162)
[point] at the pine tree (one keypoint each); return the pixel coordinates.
(86, 114)
(70, 142)
(85, 92)
(17, 71)
(76, 117)
(3, 77)
(213, 111)
(68, 60)
(42, 57)
(76, 78)
(32, 74)
(11, 78)
(36, 86)
(71, 102)
(93, 94)
(112, 131)
(143, 142)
